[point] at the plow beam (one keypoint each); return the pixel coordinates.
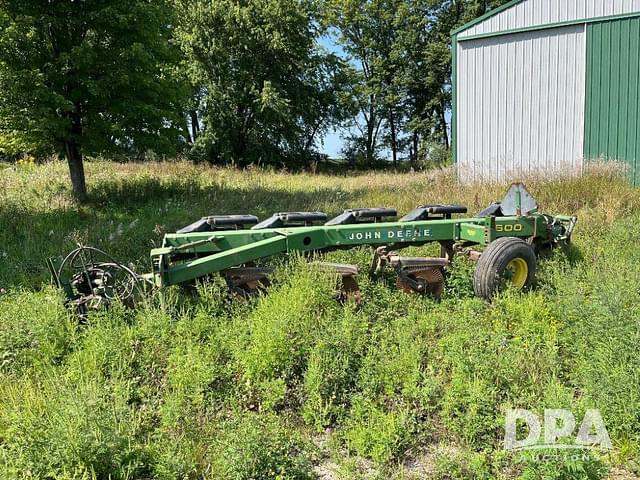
(185, 257)
(514, 232)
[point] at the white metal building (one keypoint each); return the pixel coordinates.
(543, 85)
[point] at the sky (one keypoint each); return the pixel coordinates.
(332, 142)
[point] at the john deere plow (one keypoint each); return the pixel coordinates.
(505, 240)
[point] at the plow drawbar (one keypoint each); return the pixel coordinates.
(505, 240)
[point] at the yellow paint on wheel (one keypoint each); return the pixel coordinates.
(517, 272)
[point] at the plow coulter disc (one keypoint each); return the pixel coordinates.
(93, 280)
(424, 282)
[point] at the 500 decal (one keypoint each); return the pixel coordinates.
(391, 235)
(512, 227)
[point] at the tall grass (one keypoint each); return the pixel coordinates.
(291, 384)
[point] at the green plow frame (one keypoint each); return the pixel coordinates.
(220, 251)
(512, 233)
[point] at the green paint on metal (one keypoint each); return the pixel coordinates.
(189, 256)
(605, 88)
(548, 26)
(613, 93)
(632, 134)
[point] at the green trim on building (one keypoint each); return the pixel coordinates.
(548, 26)
(612, 127)
(612, 99)
(486, 16)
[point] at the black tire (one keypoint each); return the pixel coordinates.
(491, 269)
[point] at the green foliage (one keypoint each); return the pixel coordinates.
(460, 279)
(54, 428)
(502, 357)
(283, 329)
(106, 65)
(331, 376)
(197, 386)
(268, 89)
(460, 465)
(35, 331)
(366, 34)
(399, 91)
(562, 466)
(378, 434)
(228, 81)
(259, 447)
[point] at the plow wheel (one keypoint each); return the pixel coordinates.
(429, 281)
(506, 261)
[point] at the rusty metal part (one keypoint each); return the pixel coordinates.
(247, 281)
(425, 282)
(348, 289)
(380, 261)
(447, 250)
(424, 275)
(471, 254)
(343, 269)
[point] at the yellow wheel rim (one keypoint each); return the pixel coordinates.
(517, 272)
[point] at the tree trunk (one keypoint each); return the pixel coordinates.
(443, 125)
(311, 138)
(195, 125)
(369, 148)
(76, 170)
(371, 122)
(74, 157)
(394, 138)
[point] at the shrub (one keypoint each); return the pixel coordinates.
(505, 355)
(395, 369)
(277, 338)
(377, 433)
(459, 281)
(332, 372)
(460, 465)
(35, 331)
(56, 429)
(258, 446)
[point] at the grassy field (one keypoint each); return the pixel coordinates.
(291, 384)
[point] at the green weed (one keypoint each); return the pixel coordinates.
(196, 386)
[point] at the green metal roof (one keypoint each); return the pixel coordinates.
(489, 14)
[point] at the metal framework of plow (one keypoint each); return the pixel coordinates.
(513, 233)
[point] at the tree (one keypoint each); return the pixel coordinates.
(425, 38)
(401, 53)
(87, 77)
(361, 26)
(269, 90)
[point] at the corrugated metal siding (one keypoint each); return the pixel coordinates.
(520, 103)
(613, 93)
(531, 13)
